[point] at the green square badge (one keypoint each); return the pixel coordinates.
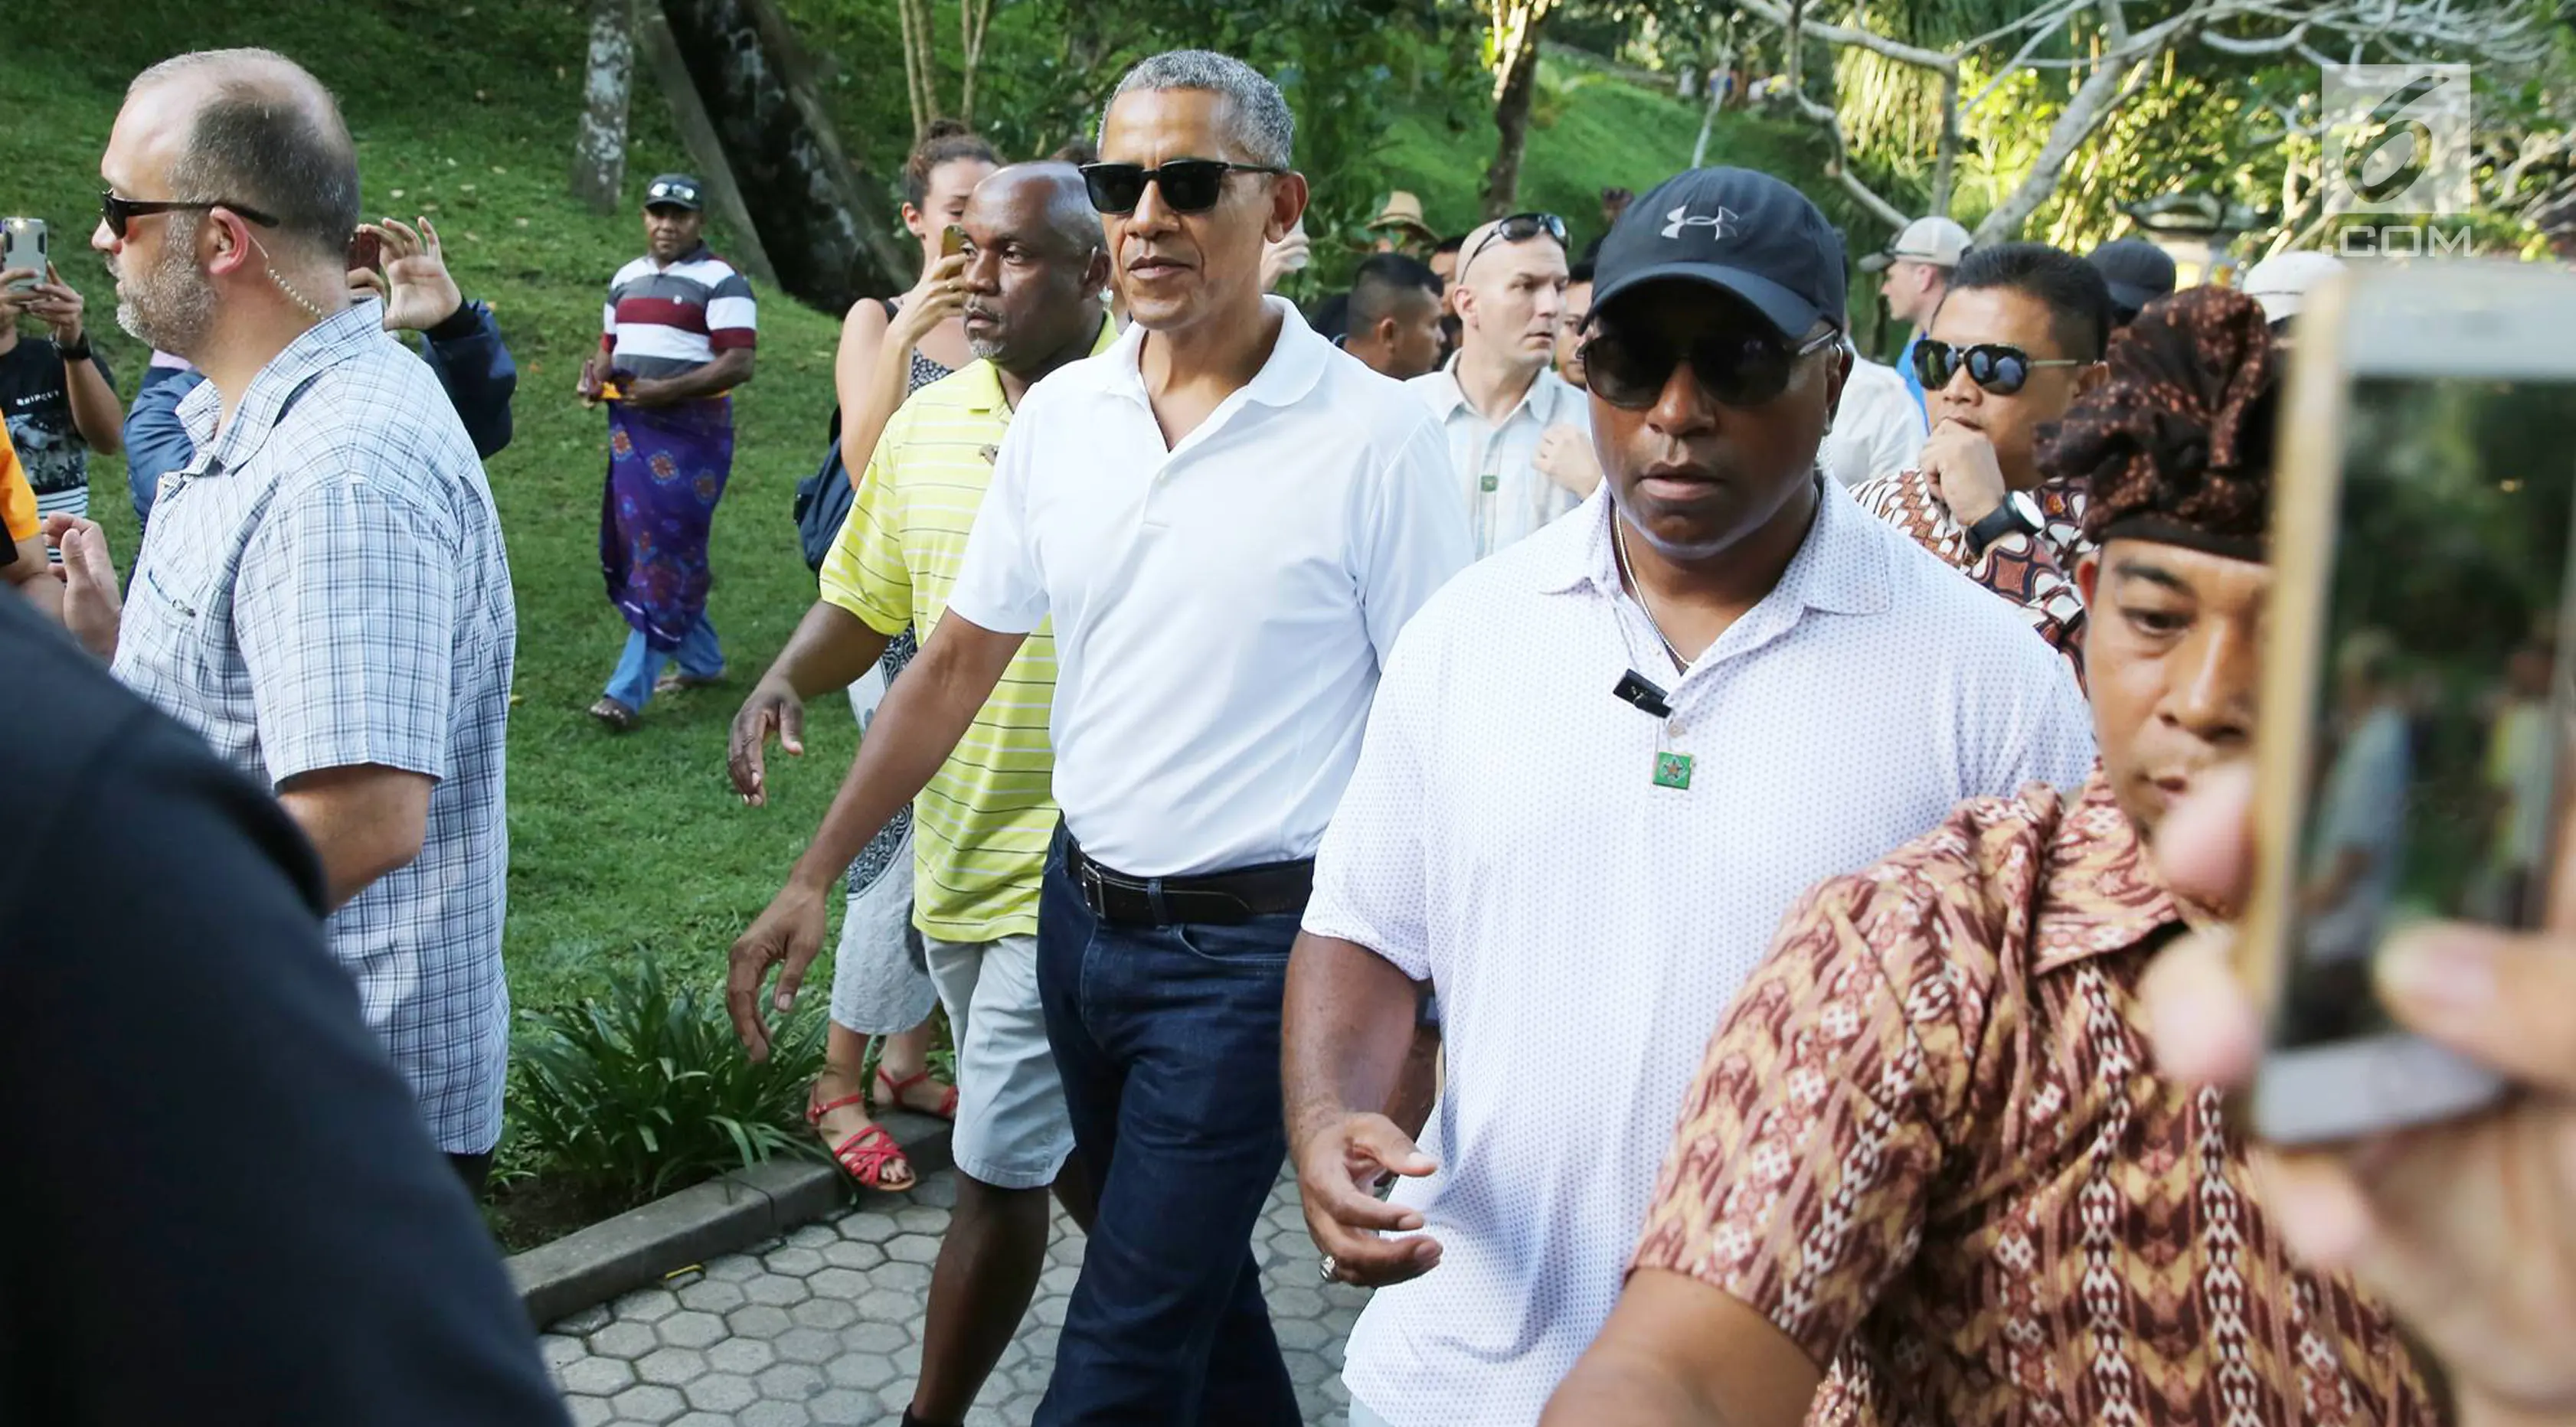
(1672, 770)
(1488, 482)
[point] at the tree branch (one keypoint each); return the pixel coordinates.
(1845, 35)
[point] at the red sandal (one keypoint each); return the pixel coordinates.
(868, 1155)
(891, 1093)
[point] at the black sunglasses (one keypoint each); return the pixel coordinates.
(1998, 368)
(1189, 185)
(1741, 370)
(119, 212)
(1519, 228)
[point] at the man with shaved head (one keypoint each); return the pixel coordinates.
(1034, 271)
(1509, 417)
(324, 596)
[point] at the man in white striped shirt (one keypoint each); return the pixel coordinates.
(677, 336)
(1516, 429)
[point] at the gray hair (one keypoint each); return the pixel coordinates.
(1260, 126)
(268, 136)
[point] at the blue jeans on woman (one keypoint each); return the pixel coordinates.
(1168, 1042)
(699, 655)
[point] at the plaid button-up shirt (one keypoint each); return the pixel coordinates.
(325, 586)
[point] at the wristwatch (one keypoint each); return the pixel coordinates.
(2019, 512)
(76, 352)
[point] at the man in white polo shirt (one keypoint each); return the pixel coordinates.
(1228, 522)
(1499, 399)
(1742, 681)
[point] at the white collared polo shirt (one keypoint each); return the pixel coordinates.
(1512, 836)
(1222, 606)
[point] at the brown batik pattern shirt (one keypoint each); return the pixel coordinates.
(1927, 1143)
(2035, 572)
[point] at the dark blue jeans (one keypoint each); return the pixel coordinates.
(1168, 1042)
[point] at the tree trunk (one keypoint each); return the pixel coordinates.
(599, 146)
(1515, 86)
(1945, 159)
(920, 74)
(974, 18)
(1720, 80)
(828, 232)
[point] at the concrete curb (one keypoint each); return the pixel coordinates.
(732, 1212)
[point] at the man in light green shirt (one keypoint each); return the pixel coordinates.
(1033, 280)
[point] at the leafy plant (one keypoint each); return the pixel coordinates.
(646, 1090)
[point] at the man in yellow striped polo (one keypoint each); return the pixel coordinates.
(1033, 280)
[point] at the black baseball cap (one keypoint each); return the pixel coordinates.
(2138, 271)
(673, 190)
(1731, 228)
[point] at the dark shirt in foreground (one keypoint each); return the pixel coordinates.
(218, 1204)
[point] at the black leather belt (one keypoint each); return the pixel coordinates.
(1217, 899)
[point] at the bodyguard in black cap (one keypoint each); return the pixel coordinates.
(2138, 273)
(1601, 765)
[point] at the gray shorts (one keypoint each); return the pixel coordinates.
(1012, 1128)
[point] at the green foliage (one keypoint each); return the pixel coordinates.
(645, 1090)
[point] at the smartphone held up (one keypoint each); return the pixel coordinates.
(24, 244)
(2413, 740)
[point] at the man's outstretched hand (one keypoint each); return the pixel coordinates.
(1337, 1174)
(788, 934)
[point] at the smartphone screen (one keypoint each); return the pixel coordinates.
(365, 250)
(2440, 719)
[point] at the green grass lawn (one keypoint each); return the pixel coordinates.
(465, 112)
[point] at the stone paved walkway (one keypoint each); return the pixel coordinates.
(825, 1327)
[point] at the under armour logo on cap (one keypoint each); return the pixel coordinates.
(1717, 223)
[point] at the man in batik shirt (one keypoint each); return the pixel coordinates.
(1927, 1174)
(2017, 339)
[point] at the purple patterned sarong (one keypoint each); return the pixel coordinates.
(667, 467)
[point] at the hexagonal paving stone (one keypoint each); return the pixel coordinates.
(598, 1377)
(556, 1350)
(876, 1336)
(778, 1289)
(868, 1226)
(647, 1305)
(811, 1346)
(623, 1340)
(721, 1392)
(690, 1328)
(813, 1236)
(793, 1261)
(789, 1382)
(842, 1285)
(864, 1371)
(712, 1296)
(773, 1414)
(888, 1305)
(843, 1405)
(742, 1356)
(1304, 1334)
(701, 1419)
(671, 1367)
(921, 1219)
(760, 1320)
(913, 1248)
(851, 1256)
(734, 1268)
(587, 1321)
(589, 1411)
(831, 1313)
(909, 1277)
(649, 1403)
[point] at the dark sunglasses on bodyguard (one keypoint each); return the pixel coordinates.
(119, 213)
(1998, 368)
(1628, 370)
(1188, 185)
(1519, 228)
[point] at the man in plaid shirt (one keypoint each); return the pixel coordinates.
(323, 594)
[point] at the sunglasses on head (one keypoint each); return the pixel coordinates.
(1998, 368)
(120, 212)
(1519, 228)
(1740, 369)
(1189, 185)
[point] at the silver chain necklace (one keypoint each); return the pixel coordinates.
(1637, 587)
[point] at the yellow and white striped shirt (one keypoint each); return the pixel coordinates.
(982, 824)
